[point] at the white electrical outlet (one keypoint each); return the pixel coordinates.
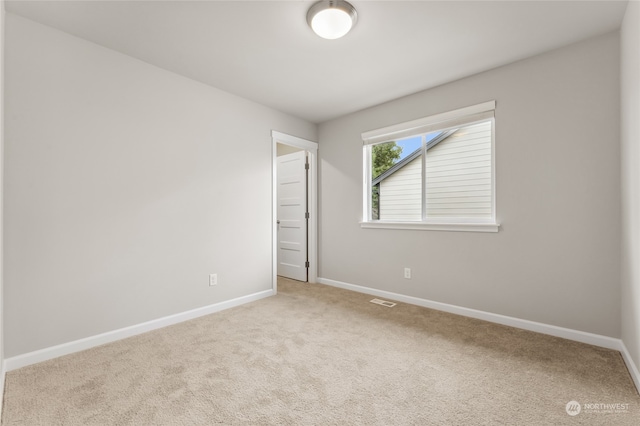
(213, 279)
(407, 273)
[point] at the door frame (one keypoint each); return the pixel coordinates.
(312, 193)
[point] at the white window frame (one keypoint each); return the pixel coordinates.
(443, 121)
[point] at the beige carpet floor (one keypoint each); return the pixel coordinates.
(316, 355)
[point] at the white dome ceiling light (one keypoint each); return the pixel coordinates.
(332, 19)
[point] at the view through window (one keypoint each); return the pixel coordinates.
(443, 175)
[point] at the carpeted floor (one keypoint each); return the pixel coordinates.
(317, 355)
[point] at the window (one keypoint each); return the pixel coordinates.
(433, 173)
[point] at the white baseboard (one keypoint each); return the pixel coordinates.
(565, 333)
(3, 373)
(35, 357)
(631, 366)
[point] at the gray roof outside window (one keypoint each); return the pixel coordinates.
(415, 154)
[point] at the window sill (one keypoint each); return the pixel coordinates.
(424, 226)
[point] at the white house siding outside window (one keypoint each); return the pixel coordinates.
(433, 173)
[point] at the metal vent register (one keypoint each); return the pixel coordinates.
(383, 303)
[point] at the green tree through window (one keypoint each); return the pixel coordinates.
(383, 157)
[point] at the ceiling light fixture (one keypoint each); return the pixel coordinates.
(332, 19)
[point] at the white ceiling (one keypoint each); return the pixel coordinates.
(264, 50)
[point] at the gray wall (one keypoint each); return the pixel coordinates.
(556, 257)
(2, 26)
(630, 89)
(126, 185)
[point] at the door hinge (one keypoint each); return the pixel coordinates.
(306, 215)
(306, 166)
(306, 264)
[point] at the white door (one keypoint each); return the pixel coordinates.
(292, 212)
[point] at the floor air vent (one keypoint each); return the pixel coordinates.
(383, 303)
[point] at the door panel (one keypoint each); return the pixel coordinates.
(292, 223)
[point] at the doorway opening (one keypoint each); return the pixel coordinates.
(294, 213)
